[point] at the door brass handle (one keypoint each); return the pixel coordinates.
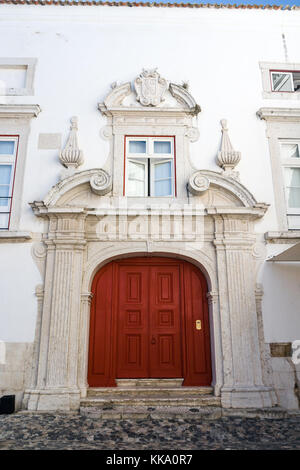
(153, 340)
(198, 325)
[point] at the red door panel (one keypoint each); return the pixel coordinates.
(164, 328)
(198, 341)
(132, 321)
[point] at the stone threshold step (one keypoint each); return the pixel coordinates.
(150, 401)
(112, 391)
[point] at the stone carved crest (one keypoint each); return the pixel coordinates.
(150, 87)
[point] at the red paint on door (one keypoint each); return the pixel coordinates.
(143, 322)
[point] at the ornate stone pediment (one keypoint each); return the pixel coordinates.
(150, 92)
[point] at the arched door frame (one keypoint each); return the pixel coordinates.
(200, 259)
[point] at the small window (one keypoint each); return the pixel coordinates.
(285, 81)
(150, 167)
(8, 152)
(290, 152)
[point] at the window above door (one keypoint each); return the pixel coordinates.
(149, 166)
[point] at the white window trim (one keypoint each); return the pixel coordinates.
(154, 159)
(283, 125)
(266, 68)
(290, 163)
(30, 64)
(15, 120)
(11, 160)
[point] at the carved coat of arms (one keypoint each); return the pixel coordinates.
(150, 88)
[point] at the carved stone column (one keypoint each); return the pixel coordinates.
(86, 299)
(243, 380)
(217, 360)
(57, 378)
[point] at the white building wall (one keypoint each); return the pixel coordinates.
(81, 50)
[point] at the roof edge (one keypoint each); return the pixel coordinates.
(148, 4)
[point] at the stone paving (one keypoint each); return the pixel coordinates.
(74, 431)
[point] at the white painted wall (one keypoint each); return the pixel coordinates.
(82, 50)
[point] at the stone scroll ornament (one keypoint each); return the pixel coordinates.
(101, 183)
(198, 183)
(150, 87)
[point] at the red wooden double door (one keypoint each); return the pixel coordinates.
(149, 319)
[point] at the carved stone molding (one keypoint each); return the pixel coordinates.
(117, 95)
(182, 95)
(71, 156)
(150, 88)
(227, 157)
(101, 183)
(201, 180)
(39, 252)
(106, 132)
(193, 134)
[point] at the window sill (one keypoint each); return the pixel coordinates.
(16, 237)
(286, 236)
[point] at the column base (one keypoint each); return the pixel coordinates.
(63, 399)
(246, 397)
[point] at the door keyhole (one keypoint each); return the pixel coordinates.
(153, 340)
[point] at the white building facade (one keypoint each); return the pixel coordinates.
(150, 201)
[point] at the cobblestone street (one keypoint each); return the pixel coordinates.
(76, 432)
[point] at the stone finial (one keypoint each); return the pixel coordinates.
(227, 158)
(71, 157)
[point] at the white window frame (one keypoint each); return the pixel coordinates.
(267, 68)
(9, 159)
(282, 72)
(153, 158)
(29, 64)
(289, 163)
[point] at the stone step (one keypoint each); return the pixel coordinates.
(151, 383)
(108, 392)
(149, 401)
(152, 412)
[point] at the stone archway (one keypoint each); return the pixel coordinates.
(76, 250)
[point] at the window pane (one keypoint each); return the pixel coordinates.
(4, 193)
(162, 170)
(5, 174)
(135, 188)
(290, 151)
(137, 146)
(163, 188)
(162, 147)
(7, 147)
(292, 176)
(282, 82)
(136, 171)
(4, 220)
(136, 179)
